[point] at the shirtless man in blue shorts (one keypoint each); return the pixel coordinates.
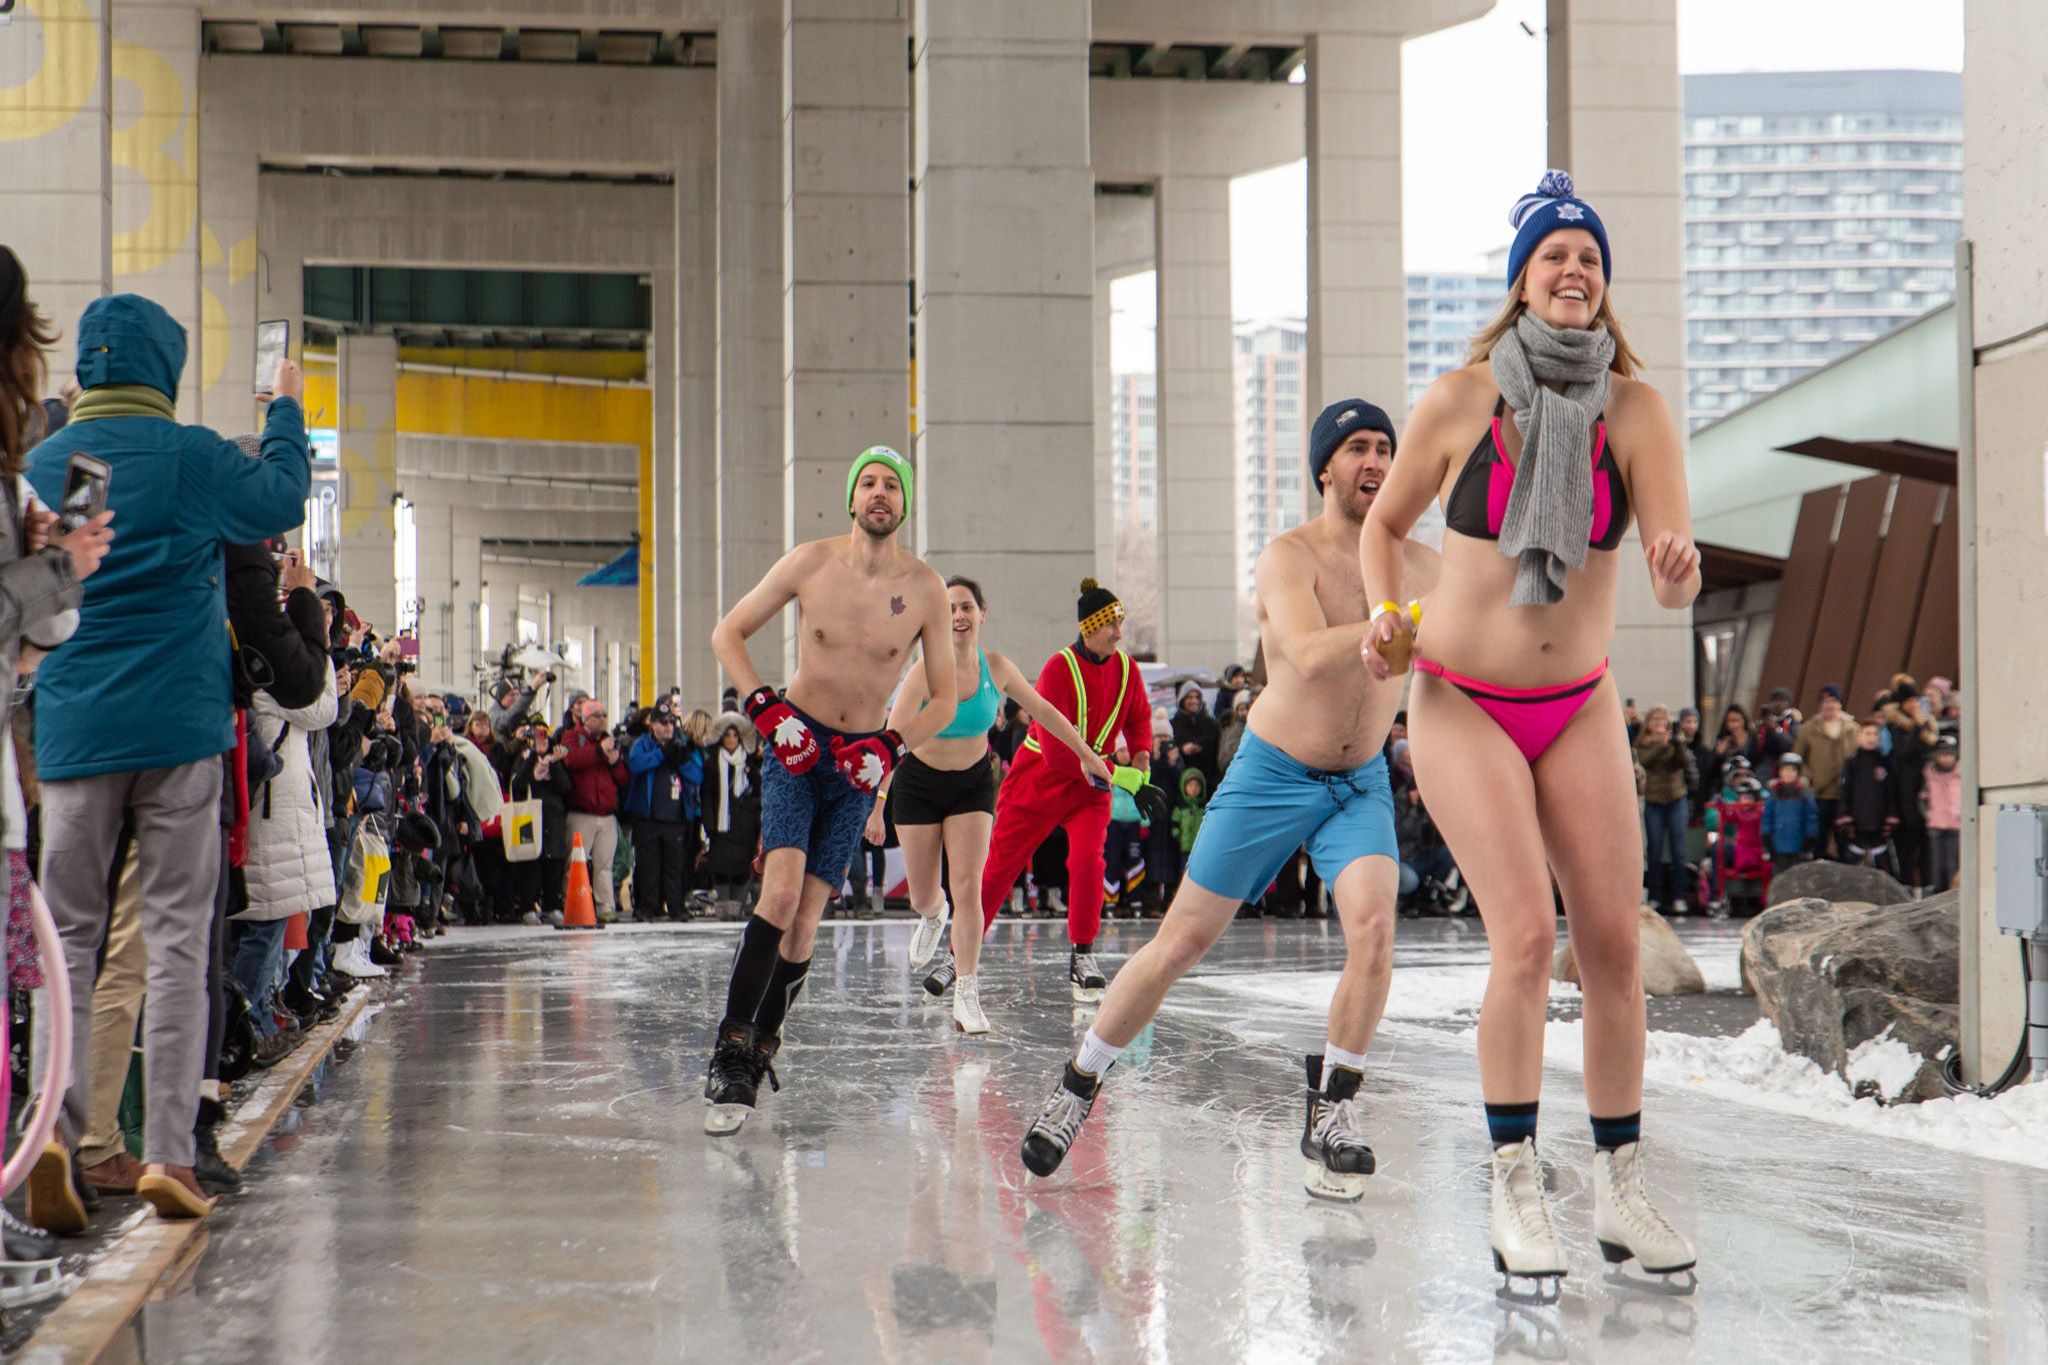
(1308, 774)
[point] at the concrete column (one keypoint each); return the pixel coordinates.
(750, 446)
(1105, 431)
(444, 628)
(1126, 233)
(1615, 108)
(154, 149)
(230, 154)
(2002, 489)
(661, 537)
(694, 580)
(1197, 427)
(846, 230)
(57, 196)
(367, 390)
(1005, 307)
(1357, 309)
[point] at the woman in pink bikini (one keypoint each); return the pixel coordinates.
(1542, 448)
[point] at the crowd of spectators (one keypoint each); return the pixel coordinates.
(1883, 790)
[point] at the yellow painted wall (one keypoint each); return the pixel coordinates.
(531, 410)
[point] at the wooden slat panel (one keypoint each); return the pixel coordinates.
(1838, 627)
(1935, 651)
(1895, 595)
(1806, 572)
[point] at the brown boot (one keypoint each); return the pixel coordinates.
(53, 1205)
(173, 1191)
(116, 1175)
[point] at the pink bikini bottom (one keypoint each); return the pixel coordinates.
(1532, 717)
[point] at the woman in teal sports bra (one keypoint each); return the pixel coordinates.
(942, 797)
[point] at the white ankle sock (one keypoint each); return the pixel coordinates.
(1334, 1056)
(1095, 1056)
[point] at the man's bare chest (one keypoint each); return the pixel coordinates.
(873, 624)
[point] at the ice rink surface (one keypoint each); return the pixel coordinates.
(512, 1169)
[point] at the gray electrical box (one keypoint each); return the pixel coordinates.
(2022, 872)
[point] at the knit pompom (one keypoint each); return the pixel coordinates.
(1554, 185)
(1089, 585)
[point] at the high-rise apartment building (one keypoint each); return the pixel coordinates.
(1444, 312)
(1821, 211)
(1134, 438)
(1272, 436)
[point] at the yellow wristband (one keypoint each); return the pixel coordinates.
(1383, 608)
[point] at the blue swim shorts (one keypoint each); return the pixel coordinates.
(819, 811)
(1270, 805)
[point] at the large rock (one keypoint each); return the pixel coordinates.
(1837, 882)
(1668, 969)
(1832, 978)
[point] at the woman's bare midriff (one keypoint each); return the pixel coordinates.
(953, 755)
(1469, 627)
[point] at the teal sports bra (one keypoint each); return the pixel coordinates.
(977, 714)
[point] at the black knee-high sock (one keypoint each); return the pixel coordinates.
(752, 966)
(783, 987)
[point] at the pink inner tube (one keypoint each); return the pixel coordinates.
(43, 1108)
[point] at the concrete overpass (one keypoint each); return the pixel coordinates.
(814, 193)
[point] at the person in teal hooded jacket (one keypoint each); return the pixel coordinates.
(135, 712)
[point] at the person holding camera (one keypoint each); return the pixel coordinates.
(666, 771)
(597, 774)
(108, 746)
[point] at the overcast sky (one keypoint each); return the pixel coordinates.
(1472, 100)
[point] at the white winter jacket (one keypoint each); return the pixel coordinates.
(288, 871)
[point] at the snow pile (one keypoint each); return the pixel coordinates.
(1754, 1068)
(1751, 1068)
(1885, 1063)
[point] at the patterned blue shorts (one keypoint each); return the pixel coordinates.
(819, 811)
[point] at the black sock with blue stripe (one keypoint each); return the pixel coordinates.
(1609, 1134)
(1507, 1124)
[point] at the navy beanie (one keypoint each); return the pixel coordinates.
(1552, 209)
(1335, 424)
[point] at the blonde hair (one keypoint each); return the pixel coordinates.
(697, 727)
(1655, 712)
(1626, 362)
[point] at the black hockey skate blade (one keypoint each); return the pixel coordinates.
(1332, 1187)
(723, 1120)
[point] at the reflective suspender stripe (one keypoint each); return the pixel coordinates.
(1081, 704)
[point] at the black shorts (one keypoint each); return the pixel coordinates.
(923, 795)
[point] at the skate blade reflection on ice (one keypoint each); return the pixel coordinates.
(1529, 1334)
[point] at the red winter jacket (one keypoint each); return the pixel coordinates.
(594, 787)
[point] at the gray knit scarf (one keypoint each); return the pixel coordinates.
(1550, 510)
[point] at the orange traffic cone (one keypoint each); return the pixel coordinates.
(579, 911)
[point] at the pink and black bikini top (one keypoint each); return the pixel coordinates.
(1479, 499)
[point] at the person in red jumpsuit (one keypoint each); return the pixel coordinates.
(1098, 687)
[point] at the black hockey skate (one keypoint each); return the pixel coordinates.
(1053, 1132)
(940, 978)
(733, 1080)
(1331, 1140)
(1084, 976)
